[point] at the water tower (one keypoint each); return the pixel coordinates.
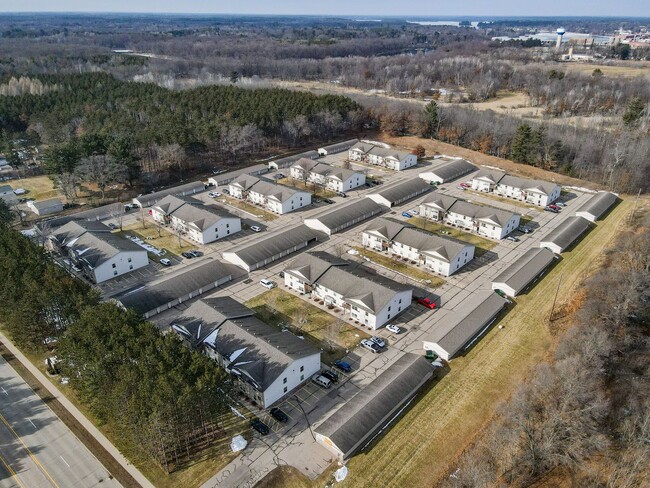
(558, 43)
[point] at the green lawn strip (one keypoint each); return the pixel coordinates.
(482, 244)
(402, 267)
(252, 209)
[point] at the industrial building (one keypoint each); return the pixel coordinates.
(456, 331)
(401, 192)
(353, 426)
(337, 147)
(524, 271)
(597, 206)
(447, 169)
(565, 234)
(227, 177)
(342, 217)
(46, 207)
(270, 248)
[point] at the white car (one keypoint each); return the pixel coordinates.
(353, 252)
(256, 228)
(268, 284)
(165, 262)
(214, 194)
(393, 328)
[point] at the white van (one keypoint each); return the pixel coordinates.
(321, 381)
(268, 284)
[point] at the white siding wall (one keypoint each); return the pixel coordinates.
(400, 302)
(235, 191)
(296, 373)
(120, 264)
(481, 185)
(223, 228)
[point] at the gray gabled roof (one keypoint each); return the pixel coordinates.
(389, 153)
(273, 190)
(363, 147)
(95, 248)
(341, 174)
(272, 245)
(457, 329)
(352, 425)
(225, 178)
(244, 181)
(439, 201)
(526, 184)
(442, 248)
(452, 168)
(192, 212)
(340, 146)
(482, 212)
(44, 204)
(340, 216)
(598, 204)
(182, 190)
(492, 175)
(402, 191)
(310, 266)
(254, 349)
(305, 164)
(169, 288)
(566, 233)
(74, 229)
(385, 228)
(525, 269)
(368, 291)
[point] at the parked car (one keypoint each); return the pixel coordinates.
(321, 381)
(460, 187)
(226, 191)
(427, 303)
(268, 284)
(342, 194)
(256, 228)
(551, 209)
(260, 426)
(554, 206)
(414, 211)
(214, 194)
(112, 226)
(187, 255)
(279, 415)
(407, 215)
(281, 274)
(465, 185)
(353, 252)
(343, 366)
(279, 176)
(378, 340)
(328, 201)
(371, 346)
(525, 229)
(331, 375)
(512, 238)
(560, 204)
(196, 253)
(165, 262)
(50, 341)
(393, 328)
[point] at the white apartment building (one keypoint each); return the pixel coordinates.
(380, 156)
(327, 176)
(536, 192)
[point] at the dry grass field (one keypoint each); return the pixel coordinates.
(482, 244)
(421, 448)
(401, 267)
(38, 187)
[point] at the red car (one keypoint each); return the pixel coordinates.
(465, 185)
(427, 303)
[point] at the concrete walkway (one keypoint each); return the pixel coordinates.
(74, 411)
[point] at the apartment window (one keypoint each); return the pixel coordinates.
(302, 377)
(389, 309)
(388, 315)
(399, 309)
(302, 368)
(114, 273)
(285, 389)
(400, 300)
(227, 226)
(114, 265)
(130, 266)
(129, 260)
(284, 381)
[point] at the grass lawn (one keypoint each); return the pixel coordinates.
(250, 208)
(482, 244)
(319, 191)
(420, 449)
(508, 201)
(320, 326)
(402, 267)
(38, 187)
(167, 240)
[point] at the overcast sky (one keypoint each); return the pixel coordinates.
(637, 8)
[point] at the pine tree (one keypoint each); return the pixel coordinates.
(432, 119)
(633, 112)
(521, 144)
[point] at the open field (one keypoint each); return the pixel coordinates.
(482, 244)
(167, 240)
(626, 69)
(401, 267)
(318, 324)
(421, 448)
(38, 187)
(251, 209)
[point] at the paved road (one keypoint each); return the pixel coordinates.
(36, 448)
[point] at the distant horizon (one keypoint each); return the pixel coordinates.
(343, 8)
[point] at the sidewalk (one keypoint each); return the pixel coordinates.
(74, 411)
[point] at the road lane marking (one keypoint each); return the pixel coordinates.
(31, 454)
(66, 462)
(11, 471)
(30, 421)
(5, 391)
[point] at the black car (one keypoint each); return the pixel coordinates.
(187, 255)
(328, 200)
(279, 415)
(195, 253)
(331, 375)
(260, 426)
(281, 274)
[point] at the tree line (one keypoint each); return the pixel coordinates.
(585, 416)
(152, 392)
